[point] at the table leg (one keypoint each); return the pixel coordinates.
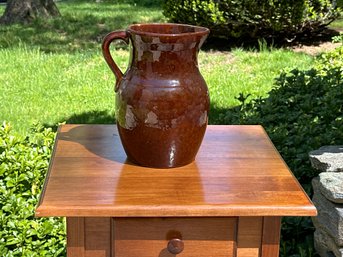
(271, 236)
(88, 237)
(258, 236)
(249, 236)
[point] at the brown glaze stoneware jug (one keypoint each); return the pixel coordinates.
(162, 101)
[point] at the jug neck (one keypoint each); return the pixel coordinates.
(158, 53)
(168, 48)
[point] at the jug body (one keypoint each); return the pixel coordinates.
(162, 101)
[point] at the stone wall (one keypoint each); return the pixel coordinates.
(328, 198)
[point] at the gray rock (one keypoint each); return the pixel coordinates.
(330, 215)
(331, 186)
(328, 158)
(325, 245)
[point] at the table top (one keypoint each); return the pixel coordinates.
(237, 172)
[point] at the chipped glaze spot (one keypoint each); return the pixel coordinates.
(130, 120)
(151, 119)
(203, 119)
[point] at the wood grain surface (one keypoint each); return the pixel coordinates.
(249, 236)
(271, 236)
(89, 237)
(237, 172)
(147, 237)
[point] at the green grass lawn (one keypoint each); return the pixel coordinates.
(53, 71)
(81, 27)
(338, 24)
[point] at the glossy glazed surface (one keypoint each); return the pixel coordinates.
(162, 101)
(237, 172)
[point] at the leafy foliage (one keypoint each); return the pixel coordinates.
(23, 165)
(338, 39)
(302, 113)
(331, 60)
(232, 18)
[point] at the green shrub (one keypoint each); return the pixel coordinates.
(332, 59)
(254, 19)
(338, 38)
(302, 113)
(23, 165)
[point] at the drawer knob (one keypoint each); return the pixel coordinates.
(175, 246)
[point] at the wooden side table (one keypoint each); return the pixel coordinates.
(228, 203)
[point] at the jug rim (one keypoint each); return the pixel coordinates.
(198, 30)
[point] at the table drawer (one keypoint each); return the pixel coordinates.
(169, 237)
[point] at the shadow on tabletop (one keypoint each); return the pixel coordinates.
(84, 135)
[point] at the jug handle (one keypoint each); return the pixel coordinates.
(108, 39)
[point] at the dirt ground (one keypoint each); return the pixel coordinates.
(316, 45)
(312, 45)
(315, 49)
